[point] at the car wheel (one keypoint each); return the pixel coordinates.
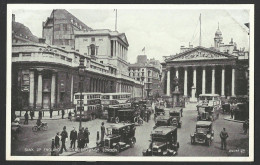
(34, 129)
(209, 142)
(132, 142)
(117, 148)
(45, 128)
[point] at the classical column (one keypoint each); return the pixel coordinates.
(203, 80)
(177, 72)
(39, 93)
(114, 50)
(223, 82)
(31, 97)
(213, 80)
(195, 77)
(168, 83)
(185, 81)
(71, 88)
(53, 85)
(233, 81)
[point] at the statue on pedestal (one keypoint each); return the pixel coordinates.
(176, 93)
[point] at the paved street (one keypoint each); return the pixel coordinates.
(237, 141)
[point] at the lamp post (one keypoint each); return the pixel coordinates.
(142, 78)
(81, 76)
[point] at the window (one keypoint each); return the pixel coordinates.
(26, 54)
(101, 62)
(92, 39)
(15, 55)
(92, 49)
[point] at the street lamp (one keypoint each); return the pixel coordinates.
(81, 76)
(142, 78)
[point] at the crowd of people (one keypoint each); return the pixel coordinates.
(79, 139)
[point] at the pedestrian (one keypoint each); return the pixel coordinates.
(181, 112)
(31, 115)
(51, 110)
(73, 138)
(232, 111)
(223, 136)
(62, 113)
(64, 136)
(70, 116)
(80, 139)
(74, 112)
(52, 145)
(40, 114)
(97, 138)
(245, 126)
(86, 137)
(103, 131)
(26, 117)
(57, 140)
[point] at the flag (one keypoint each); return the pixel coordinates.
(143, 49)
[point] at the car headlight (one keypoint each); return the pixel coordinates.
(208, 135)
(159, 150)
(149, 150)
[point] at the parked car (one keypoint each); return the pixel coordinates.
(203, 133)
(120, 137)
(163, 142)
(176, 117)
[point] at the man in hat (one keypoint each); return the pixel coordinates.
(103, 131)
(73, 138)
(64, 136)
(223, 136)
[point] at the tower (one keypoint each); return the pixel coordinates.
(218, 38)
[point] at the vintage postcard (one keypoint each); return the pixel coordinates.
(130, 82)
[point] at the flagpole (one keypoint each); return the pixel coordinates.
(116, 21)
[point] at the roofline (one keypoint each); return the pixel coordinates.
(199, 47)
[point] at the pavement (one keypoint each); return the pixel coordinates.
(39, 143)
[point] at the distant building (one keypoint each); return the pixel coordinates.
(21, 33)
(149, 71)
(106, 46)
(65, 25)
(46, 76)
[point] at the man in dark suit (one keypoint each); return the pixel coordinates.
(73, 138)
(64, 136)
(57, 140)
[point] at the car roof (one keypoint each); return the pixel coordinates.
(120, 125)
(204, 123)
(164, 130)
(172, 110)
(209, 95)
(162, 117)
(126, 110)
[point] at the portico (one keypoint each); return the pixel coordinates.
(206, 70)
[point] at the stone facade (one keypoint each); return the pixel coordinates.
(216, 70)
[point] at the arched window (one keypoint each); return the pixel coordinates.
(93, 49)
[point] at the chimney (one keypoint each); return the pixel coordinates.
(13, 17)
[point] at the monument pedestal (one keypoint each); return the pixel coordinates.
(176, 98)
(193, 98)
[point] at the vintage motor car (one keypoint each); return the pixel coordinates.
(120, 137)
(162, 120)
(112, 113)
(203, 133)
(125, 115)
(163, 142)
(208, 113)
(175, 117)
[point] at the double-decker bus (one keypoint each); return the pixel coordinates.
(115, 100)
(91, 105)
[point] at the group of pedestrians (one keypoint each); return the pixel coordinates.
(81, 137)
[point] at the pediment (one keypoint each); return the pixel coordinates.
(123, 37)
(200, 54)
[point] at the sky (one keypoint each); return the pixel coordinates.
(161, 32)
